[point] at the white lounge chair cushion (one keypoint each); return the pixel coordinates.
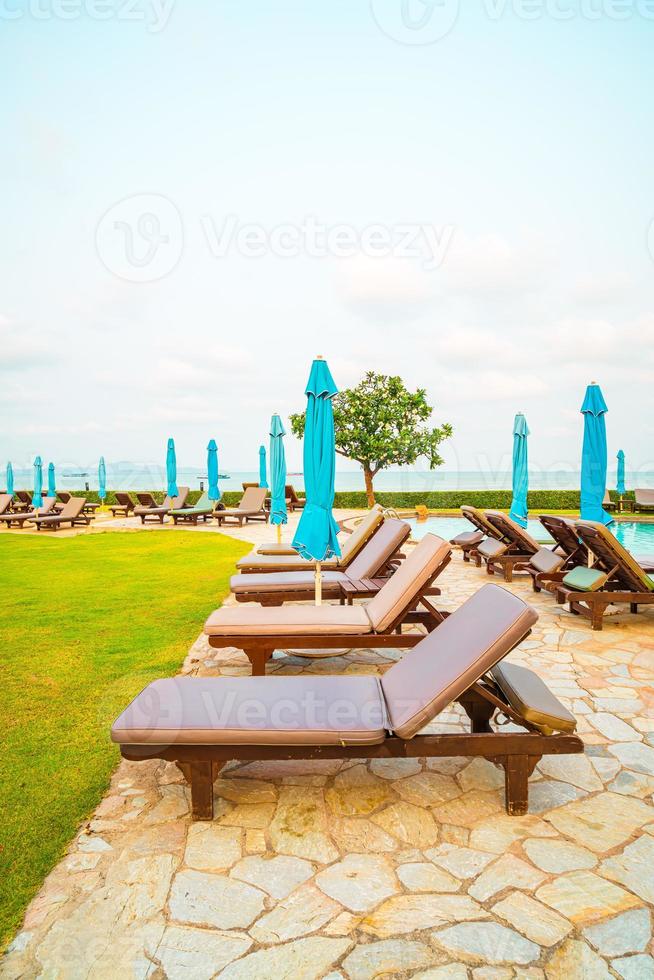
(288, 621)
(303, 710)
(283, 581)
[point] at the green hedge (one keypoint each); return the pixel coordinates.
(434, 500)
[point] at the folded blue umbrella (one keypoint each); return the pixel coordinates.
(52, 486)
(263, 482)
(171, 469)
(213, 492)
(277, 472)
(10, 479)
(316, 535)
(593, 456)
(518, 512)
(37, 500)
(102, 479)
(620, 487)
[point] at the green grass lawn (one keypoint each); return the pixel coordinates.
(85, 622)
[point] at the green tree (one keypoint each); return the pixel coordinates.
(380, 423)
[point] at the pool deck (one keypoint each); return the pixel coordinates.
(400, 868)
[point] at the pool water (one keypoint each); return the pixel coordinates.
(638, 538)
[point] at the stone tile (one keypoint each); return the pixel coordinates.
(584, 897)
(470, 808)
(488, 942)
(212, 848)
(626, 933)
(278, 876)
(357, 792)
(408, 823)
(411, 913)
(463, 862)
(306, 910)
(249, 816)
(303, 959)
(601, 822)
(482, 775)
(360, 835)
(576, 959)
(612, 727)
(507, 871)
(497, 835)
(300, 823)
(629, 868)
(424, 877)
(635, 755)
(390, 956)
(450, 971)
(547, 794)
(203, 899)
(427, 789)
(532, 919)
(359, 881)
(185, 952)
(630, 783)
(558, 856)
(395, 768)
(245, 790)
(574, 769)
(634, 967)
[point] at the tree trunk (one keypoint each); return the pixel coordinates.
(370, 493)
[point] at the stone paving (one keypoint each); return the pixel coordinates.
(394, 868)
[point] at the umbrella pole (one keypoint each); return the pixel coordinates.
(318, 584)
(279, 534)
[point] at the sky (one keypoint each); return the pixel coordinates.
(197, 198)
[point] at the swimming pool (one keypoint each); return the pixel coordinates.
(636, 537)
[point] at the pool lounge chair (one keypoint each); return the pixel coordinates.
(350, 547)
(546, 565)
(22, 500)
(644, 500)
(469, 541)
(156, 512)
(607, 503)
(202, 510)
(513, 552)
(250, 508)
(124, 504)
(259, 631)
(19, 518)
(201, 723)
(5, 502)
(71, 513)
(619, 577)
(363, 577)
(293, 502)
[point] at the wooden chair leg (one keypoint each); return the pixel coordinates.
(259, 657)
(516, 784)
(200, 776)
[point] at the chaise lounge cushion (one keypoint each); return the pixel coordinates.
(468, 538)
(547, 561)
(283, 581)
(288, 621)
(491, 548)
(303, 710)
(532, 699)
(454, 656)
(411, 577)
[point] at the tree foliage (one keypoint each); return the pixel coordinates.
(380, 423)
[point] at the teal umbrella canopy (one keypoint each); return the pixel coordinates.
(38, 483)
(593, 456)
(316, 534)
(52, 484)
(518, 512)
(171, 469)
(619, 486)
(213, 492)
(10, 479)
(277, 472)
(263, 482)
(102, 479)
